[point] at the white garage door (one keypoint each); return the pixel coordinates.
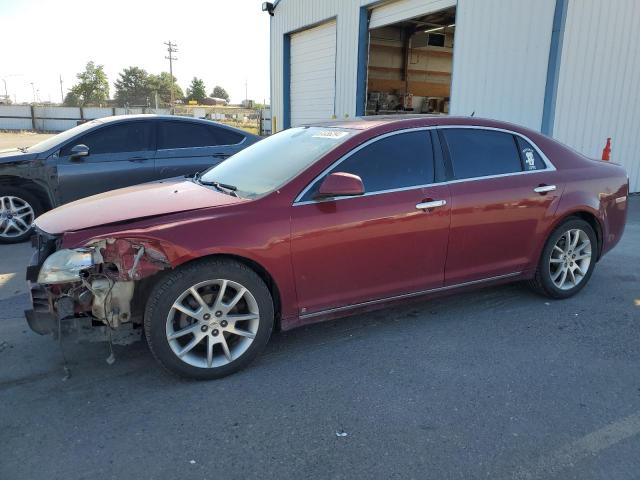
(405, 9)
(313, 74)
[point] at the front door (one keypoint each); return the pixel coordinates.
(120, 155)
(503, 197)
(351, 250)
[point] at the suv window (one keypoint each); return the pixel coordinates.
(123, 137)
(397, 161)
(191, 134)
(479, 153)
(531, 159)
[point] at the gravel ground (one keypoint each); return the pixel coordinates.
(21, 139)
(497, 384)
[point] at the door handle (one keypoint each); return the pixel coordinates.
(137, 159)
(542, 189)
(431, 204)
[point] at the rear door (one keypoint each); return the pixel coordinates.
(352, 250)
(186, 147)
(120, 155)
(503, 194)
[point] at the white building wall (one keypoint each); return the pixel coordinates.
(500, 59)
(292, 15)
(599, 85)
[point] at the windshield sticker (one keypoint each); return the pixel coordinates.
(330, 134)
(530, 160)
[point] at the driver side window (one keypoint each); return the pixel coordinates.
(401, 160)
(124, 137)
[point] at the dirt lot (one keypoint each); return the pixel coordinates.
(21, 139)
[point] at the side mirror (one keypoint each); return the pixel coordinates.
(340, 184)
(79, 151)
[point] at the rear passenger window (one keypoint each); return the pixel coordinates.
(191, 134)
(397, 161)
(226, 137)
(531, 159)
(480, 153)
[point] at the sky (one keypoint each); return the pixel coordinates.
(224, 42)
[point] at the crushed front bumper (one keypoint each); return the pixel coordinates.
(41, 317)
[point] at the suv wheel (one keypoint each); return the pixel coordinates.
(18, 210)
(567, 261)
(208, 319)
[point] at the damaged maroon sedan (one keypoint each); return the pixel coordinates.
(318, 222)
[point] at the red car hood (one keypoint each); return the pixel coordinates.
(131, 203)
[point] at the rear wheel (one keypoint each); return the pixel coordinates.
(209, 319)
(567, 261)
(18, 210)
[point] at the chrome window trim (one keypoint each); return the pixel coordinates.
(548, 164)
(349, 154)
(409, 295)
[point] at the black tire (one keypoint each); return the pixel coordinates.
(170, 288)
(542, 281)
(26, 196)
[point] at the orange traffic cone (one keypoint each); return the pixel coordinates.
(606, 152)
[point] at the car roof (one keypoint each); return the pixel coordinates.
(149, 116)
(415, 120)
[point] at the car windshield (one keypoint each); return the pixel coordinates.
(62, 137)
(267, 165)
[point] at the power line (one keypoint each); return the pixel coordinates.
(171, 48)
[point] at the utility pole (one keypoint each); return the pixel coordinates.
(171, 48)
(246, 89)
(61, 91)
(33, 90)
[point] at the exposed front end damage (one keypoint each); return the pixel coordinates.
(90, 292)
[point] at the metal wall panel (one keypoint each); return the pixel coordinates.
(313, 74)
(598, 91)
(500, 59)
(403, 9)
(294, 15)
(91, 113)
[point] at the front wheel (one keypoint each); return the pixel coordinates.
(209, 319)
(567, 261)
(18, 210)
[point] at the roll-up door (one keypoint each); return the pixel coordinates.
(313, 74)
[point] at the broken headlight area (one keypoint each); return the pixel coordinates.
(93, 286)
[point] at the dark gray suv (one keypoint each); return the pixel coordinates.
(106, 154)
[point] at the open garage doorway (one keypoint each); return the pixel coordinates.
(410, 65)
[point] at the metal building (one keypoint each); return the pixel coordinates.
(568, 68)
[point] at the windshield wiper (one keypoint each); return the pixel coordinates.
(223, 187)
(23, 149)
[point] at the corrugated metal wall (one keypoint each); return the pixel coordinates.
(500, 59)
(599, 85)
(298, 14)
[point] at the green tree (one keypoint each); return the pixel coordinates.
(93, 86)
(196, 91)
(133, 87)
(219, 92)
(71, 100)
(161, 84)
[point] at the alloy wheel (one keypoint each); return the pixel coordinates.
(570, 259)
(212, 323)
(16, 216)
